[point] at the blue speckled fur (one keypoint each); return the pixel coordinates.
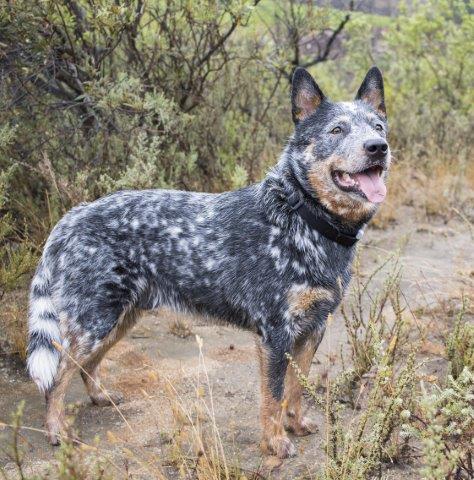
(241, 257)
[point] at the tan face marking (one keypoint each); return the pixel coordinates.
(335, 200)
(302, 300)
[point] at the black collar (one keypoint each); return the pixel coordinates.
(298, 205)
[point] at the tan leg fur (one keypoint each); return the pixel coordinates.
(274, 438)
(55, 411)
(303, 354)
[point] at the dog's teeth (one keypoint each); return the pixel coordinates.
(347, 178)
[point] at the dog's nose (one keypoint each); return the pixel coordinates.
(376, 148)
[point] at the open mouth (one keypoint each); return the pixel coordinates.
(368, 183)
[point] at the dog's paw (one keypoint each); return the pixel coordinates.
(59, 430)
(280, 445)
(103, 399)
(55, 430)
(54, 438)
(304, 427)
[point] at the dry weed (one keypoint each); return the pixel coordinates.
(369, 324)
(179, 327)
(197, 448)
(444, 189)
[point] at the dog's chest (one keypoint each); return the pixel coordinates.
(305, 297)
(317, 273)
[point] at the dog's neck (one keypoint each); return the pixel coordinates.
(281, 182)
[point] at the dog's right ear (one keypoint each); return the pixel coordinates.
(306, 96)
(371, 91)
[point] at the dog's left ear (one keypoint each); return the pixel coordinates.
(371, 91)
(306, 96)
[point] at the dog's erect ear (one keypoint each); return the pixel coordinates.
(306, 96)
(371, 90)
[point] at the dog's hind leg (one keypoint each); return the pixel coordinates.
(90, 372)
(302, 354)
(55, 410)
(273, 366)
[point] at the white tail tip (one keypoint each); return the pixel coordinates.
(42, 366)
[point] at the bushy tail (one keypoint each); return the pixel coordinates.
(43, 322)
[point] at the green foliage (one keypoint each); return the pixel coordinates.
(16, 259)
(357, 452)
(99, 96)
(443, 424)
(433, 96)
(301, 33)
(460, 344)
(370, 326)
(356, 448)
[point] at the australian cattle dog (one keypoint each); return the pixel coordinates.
(274, 258)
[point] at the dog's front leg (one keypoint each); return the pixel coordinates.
(273, 366)
(302, 354)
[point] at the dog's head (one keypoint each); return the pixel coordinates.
(339, 151)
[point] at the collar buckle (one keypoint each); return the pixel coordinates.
(295, 201)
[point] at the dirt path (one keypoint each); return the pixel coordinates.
(437, 261)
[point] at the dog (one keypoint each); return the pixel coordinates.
(274, 258)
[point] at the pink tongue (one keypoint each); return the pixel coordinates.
(372, 185)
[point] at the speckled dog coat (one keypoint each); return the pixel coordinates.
(244, 257)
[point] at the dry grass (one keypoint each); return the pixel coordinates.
(178, 326)
(197, 450)
(444, 189)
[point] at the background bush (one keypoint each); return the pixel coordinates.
(101, 96)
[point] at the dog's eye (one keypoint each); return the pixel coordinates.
(379, 127)
(336, 130)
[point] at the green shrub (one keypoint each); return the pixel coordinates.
(367, 319)
(460, 343)
(443, 424)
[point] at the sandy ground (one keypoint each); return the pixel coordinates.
(437, 264)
